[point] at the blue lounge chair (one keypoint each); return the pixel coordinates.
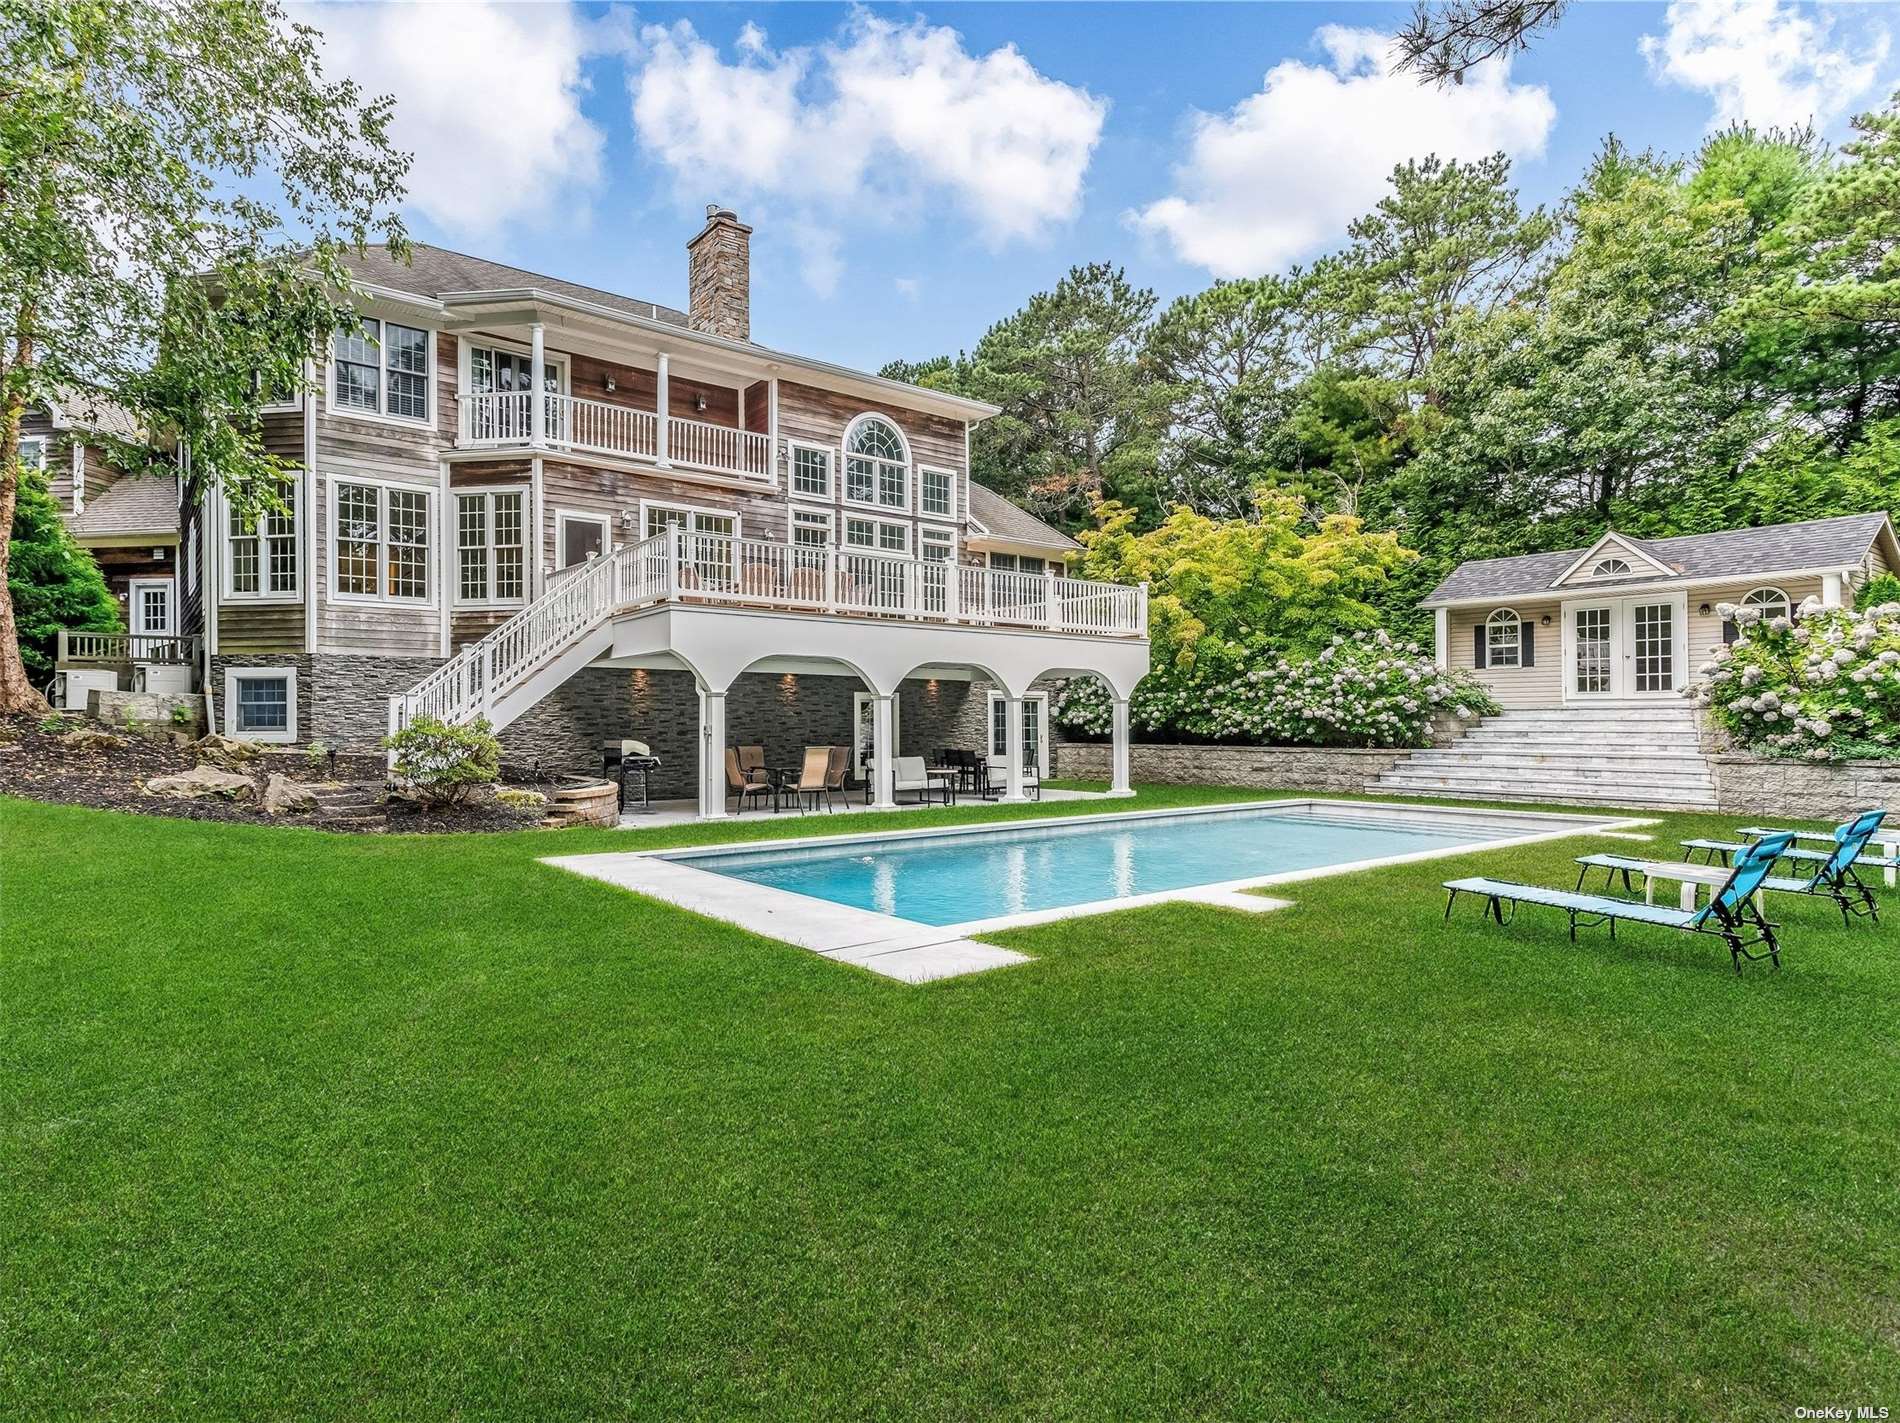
(1730, 914)
(1833, 867)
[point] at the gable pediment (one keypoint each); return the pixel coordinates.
(1613, 557)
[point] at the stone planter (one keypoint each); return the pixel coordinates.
(581, 801)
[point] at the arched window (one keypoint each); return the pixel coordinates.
(876, 463)
(1772, 602)
(1610, 568)
(1503, 639)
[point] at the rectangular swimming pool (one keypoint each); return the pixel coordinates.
(962, 877)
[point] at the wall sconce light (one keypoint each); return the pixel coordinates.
(608, 382)
(1544, 621)
(699, 401)
(1703, 610)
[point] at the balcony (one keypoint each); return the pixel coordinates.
(505, 419)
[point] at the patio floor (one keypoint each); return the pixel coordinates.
(686, 812)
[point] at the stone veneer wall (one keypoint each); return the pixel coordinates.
(1288, 768)
(344, 702)
(1804, 790)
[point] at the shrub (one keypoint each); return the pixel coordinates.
(54, 582)
(1368, 690)
(1824, 686)
(442, 763)
(519, 798)
(1881, 588)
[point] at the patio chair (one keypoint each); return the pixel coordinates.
(811, 777)
(1833, 869)
(1730, 915)
(996, 780)
(837, 766)
(752, 762)
(1714, 850)
(911, 774)
(742, 787)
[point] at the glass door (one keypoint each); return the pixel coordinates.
(1652, 648)
(1593, 651)
(1035, 709)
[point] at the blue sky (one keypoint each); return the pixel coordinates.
(914, 173)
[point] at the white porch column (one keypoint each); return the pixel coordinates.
(660, 417)
(537, 406)
(883, 752)
(1119, 779)
(712, 759)
(1831, 590)
(771, 426)
(1441, 636)
(1013, 739)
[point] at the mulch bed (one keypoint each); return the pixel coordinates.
(36, 764)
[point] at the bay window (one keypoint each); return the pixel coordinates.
(382, 542)
(489, 548)
(382, 368)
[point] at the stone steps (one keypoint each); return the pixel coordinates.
(1647, 757)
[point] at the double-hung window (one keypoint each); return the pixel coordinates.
(876, 464)
(811, 471)
(382, 369)
(811, 528)
(1503, 639)
(489, 551)
(936, 492)
(33, 451)
(382, 542)
(937, 545)
(262, 550)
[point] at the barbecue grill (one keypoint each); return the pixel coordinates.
(621, 759)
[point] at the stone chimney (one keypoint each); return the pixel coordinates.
(719, 276)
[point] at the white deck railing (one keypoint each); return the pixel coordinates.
(711, 569)
(506, 417)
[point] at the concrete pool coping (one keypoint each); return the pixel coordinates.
(912, 952)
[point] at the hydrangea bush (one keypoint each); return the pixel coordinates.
(1823, 686)
(1367, 690)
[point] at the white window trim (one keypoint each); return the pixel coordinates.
(694, 511)
(956, 544)
(830, 517)
(1787, 603)
(843, 536)
(42, 443)
(832, 487)
(431, 521)
(949, 475)
(381, 416)
(234, 675)
(1050, 563)
(488, 493)
(1628, 570)
(263, 597)
(1492, 619)
(844, 458)
(564, 517)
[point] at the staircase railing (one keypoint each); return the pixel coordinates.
(466, 686)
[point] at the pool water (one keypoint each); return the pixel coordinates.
(955, 879)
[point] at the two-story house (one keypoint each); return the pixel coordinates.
(587, 517)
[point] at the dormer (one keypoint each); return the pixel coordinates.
(1614, 558)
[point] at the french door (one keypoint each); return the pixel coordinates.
(1627, 648)
(1035, 744)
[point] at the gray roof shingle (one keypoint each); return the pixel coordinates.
(1005, 520)
(1742, 553)
(431, 271)
(137, 504)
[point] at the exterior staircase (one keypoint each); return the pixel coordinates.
(1639, 756)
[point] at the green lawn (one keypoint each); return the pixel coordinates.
(302, 1126)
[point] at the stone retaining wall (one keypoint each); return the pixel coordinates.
(1288, 768)
(1804, 790)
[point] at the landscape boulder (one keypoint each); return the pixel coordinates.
(283, 796)
(216, 750)
(203, 781)
(91, 738)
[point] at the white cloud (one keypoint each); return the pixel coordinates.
(1763, 62)
(879, 123)
(1280, 175)
(488, 99)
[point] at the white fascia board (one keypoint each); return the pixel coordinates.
(1584, 593)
